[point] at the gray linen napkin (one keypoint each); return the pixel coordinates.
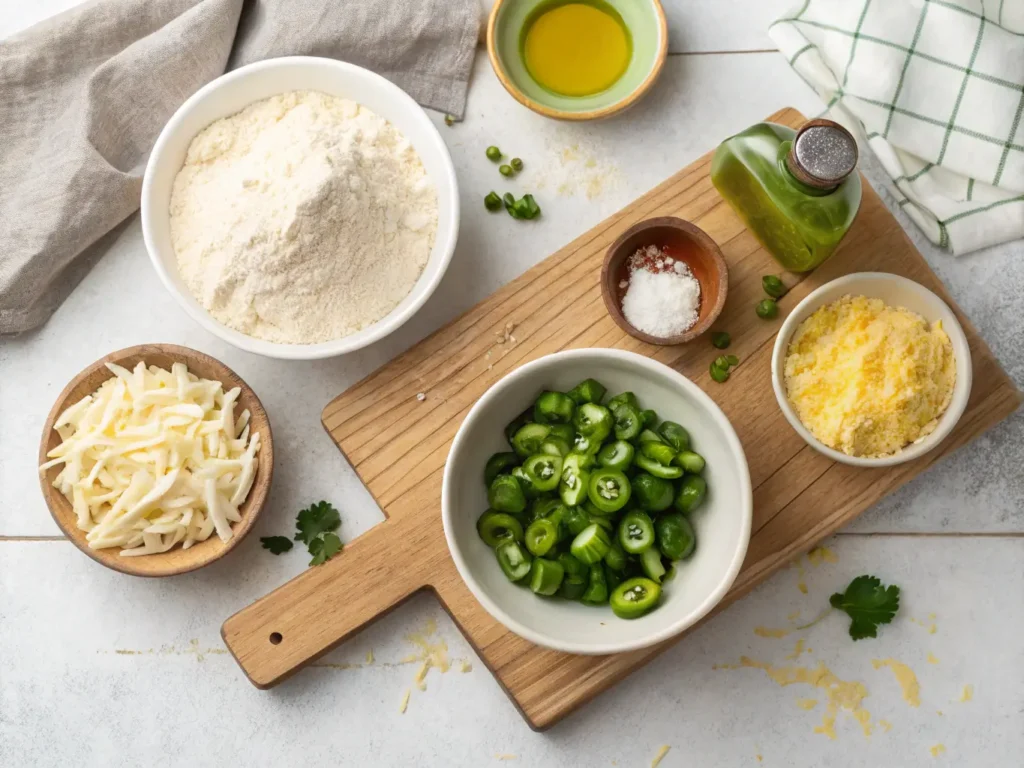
(84, 95)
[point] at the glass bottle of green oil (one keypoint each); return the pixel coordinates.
(795, 190)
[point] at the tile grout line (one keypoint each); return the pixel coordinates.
(739, 52)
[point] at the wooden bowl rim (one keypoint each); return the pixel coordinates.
(704, 241)
(593, 114)
(61, 511)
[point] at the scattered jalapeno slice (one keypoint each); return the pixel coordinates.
(650, 561)
(527, 439)
(659, 452)
(555, 446)
(651, 493)
(628, 422)
(506, 494)
(657, 469)
(675, 435)
(608, 490)
(636, 532)
(587, 391)
(514, 562)
(648, 417)
(615, 558)
(575, 519)
(634, 597)
(572, 566)
(544, 471)
(572, 587)
(553, 408)
(604, 522)
(675, 535)
(586, 445)
(593, 421)
(542, 507)
(691, 462)
(562, 432)
(612, 578)
(597, 587)
(573, 485)
(591, 545)
(499, 463)
(649, 436)
(541, 535)
(514, 425)
(692, 491)
(496, 527)
(545, 576)
(529, 489)
(627, 398)
(617, 455)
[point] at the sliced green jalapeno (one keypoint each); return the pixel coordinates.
(597, 586)
(636, 532)
(604, 522)
(572, 587)
(496, 527)
(541, 535)
(652, 493)
(572, 566)
(506, 494)
(615, 558)
(514, 562)
(675, 435)
(587, 391)
(649, 436)
(611, 577)
(575, 519)
(627, 398)
(634, 597)
(692, 491)
(649, 418)
(555, 446)
(573, 486)
(593, 421)
(650, 561)
(691, 462)
(514, 425)
(563, 432)
(676, 538)
(591, 545)
(542, 506)
(544, 471)
(628, 421)
(659, 452)
(529, 489)
(498, 464)
(617, 455)
(545, 576)
(586, 445)
(527, 439)
(657, 469)
(608, 490)
(553, 408)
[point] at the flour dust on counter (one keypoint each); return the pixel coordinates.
(302, 219)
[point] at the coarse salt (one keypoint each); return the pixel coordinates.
(664, 301)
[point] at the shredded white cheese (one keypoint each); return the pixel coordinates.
(154, 458)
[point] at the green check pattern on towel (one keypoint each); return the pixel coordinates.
(936, 87)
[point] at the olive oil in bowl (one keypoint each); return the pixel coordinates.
(576, 48)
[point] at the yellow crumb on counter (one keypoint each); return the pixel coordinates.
(868, 379)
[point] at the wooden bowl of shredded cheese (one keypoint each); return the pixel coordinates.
(156, 460)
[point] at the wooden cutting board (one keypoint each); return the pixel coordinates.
(398, 444)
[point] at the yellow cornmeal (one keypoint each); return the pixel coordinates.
(868, 379)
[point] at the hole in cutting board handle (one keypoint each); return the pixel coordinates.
(276, 638)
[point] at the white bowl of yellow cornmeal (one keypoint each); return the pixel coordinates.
(872, 369)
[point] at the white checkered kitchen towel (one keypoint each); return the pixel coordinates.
(936, 87)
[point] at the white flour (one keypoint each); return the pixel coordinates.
(301, 219)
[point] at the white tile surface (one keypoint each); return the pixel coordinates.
(63, 618)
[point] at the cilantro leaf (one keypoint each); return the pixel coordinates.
(316, 519)
(868, 604)
(276, 544)
(324, 548)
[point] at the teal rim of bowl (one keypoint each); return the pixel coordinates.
(645, 23)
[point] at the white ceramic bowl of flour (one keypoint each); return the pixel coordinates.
(228, 95)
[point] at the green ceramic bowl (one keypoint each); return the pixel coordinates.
(646, 22)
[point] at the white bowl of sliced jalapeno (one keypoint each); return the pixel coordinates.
(596, 501)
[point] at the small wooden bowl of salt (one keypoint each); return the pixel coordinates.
(664, 281)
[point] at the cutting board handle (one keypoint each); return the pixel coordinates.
(308, 616)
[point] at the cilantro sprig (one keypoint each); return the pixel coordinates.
(315, 527)
(868, 603)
